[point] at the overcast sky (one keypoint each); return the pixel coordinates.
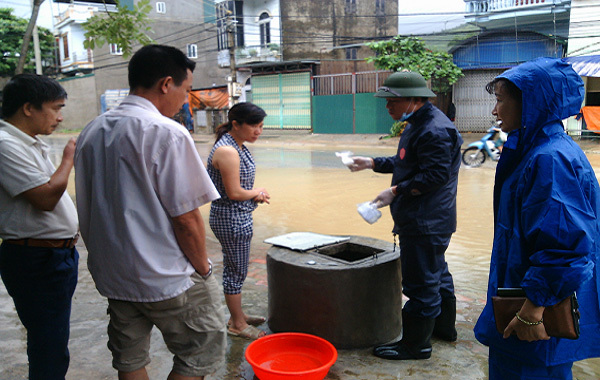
(23, 9)
(428, 6)
(426, 22)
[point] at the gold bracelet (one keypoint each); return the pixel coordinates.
(527, 322)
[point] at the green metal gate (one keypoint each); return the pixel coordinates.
(285, 98)
(344, 103)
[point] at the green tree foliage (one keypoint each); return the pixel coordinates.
(12, 30)
(398, 128)
(410, 53)
(126, 27)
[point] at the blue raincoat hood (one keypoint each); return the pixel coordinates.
(552, 91)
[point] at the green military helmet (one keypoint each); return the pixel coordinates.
(404, 84)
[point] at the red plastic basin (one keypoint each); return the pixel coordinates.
(286, 356)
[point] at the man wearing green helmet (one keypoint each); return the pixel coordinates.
(422, 202)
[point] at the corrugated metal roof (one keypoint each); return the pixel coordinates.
(585, 66)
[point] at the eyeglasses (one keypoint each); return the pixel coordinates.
(387, 89)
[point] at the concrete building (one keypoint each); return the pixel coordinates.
(584, 30)
(336, 29)
(189, 26)
(284, 30)
(543, 16)
(74, 58)
(510, 32)
(584, 54)
(257, 30)
(269, 33)
(280, 45)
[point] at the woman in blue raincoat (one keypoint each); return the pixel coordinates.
(546, 228)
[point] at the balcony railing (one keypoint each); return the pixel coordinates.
(249, 54)
(74, 13)
(479, 6)
(78, 61)
(257, 54)
(80, 56)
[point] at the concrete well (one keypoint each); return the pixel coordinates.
(348, 293)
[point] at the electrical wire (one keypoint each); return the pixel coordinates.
(297, 37)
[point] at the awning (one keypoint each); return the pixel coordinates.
(209, 98)
(585, 66)
(591, 115)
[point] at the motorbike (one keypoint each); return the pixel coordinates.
(477, 151)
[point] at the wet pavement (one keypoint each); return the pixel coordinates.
(310, 191)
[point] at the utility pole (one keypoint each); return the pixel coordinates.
(232, 84)
(35, 9)
(36, 51)
(36, 45)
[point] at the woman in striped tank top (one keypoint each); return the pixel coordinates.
(231, 168)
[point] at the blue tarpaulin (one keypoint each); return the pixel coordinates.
(585, 66)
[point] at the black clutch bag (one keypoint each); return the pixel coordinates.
(560, 320)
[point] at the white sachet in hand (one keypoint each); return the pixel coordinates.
(369, 212)
(345, 156)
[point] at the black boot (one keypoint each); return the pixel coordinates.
(445, 328)
(415, 343)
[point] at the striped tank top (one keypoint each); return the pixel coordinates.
(247, 172)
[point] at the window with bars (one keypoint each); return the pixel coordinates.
(379, 7)
(350, 7)
(351, 53)
(192, 51)
(115, 49)
(65, 43)
(228, 11)
(264, 22)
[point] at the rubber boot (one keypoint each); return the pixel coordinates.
(445, 328)
(415, 343)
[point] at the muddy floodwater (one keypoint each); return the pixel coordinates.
(311, 190)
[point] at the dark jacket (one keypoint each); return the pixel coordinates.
(428, 159)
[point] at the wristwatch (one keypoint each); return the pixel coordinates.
(207, 275)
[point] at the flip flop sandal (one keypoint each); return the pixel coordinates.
(249, 332)
(252, 320)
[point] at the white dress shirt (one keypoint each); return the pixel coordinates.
(25, 165)
(134, 170)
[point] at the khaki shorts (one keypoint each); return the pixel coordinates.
(192, 325)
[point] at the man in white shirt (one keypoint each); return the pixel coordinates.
(38, 222)
(139, 183)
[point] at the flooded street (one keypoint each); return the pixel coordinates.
(316, 193)
(310, 191)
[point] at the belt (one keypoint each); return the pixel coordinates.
(45, 243)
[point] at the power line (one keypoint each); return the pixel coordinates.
(327, 38)
(300, 36)
(105, 56)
